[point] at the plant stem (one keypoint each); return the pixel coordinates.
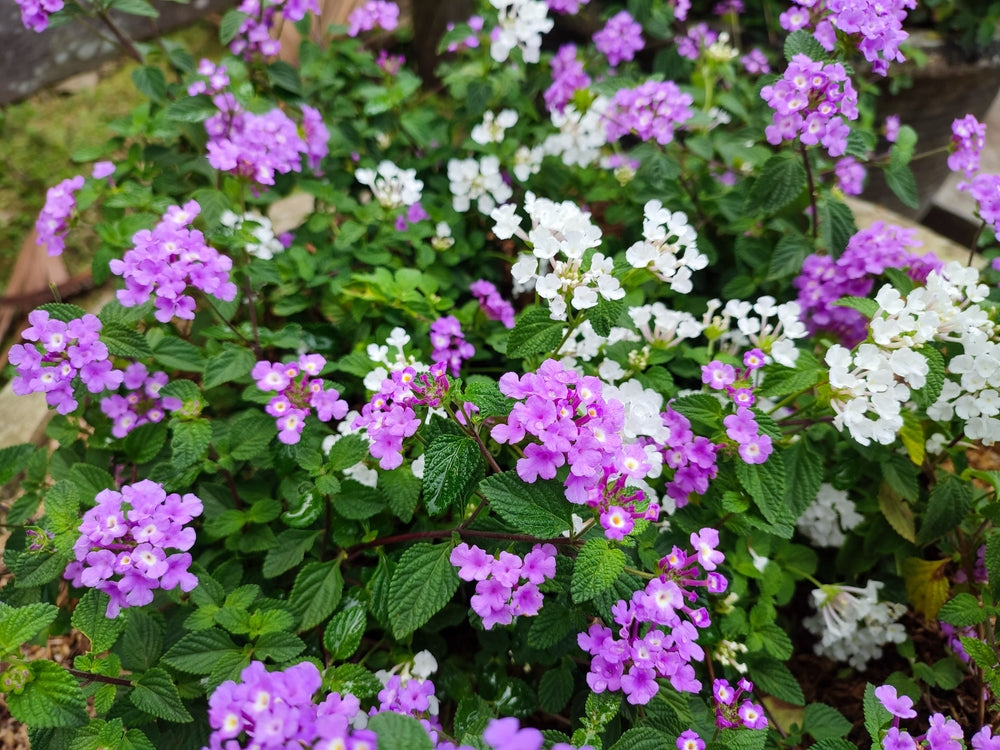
(91, 677)
(975, 241)
(127, 44)
(812, 192)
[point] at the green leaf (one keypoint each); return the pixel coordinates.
(343, 633)
(399, 732)
(185, 391)
(453, 467)
(403, 491)
(191, 109)
(535, 332)
(174, 352)
(232, 363)
(288, 552)
(90, 618)
(823, 721)
(142, 642)
(962, 611)
(135, 8)
(947, 505)
(553, 623)
(125, 342)
(51, 698)
(316, 592)
(485, 393)
(279, 647)
(897, 512)
(155, 694)
(981, 653)
(773, 677)
(348, 451)
(190, 442)
(230, 25)
(604, 315)
(596, 568)
(865, 306)
(353, 679)
(766, 484)
(282, 75)
(144, 442)
(37, 568)
(200, 651)
(877, 717)
(151, 82)
(935, 377)
(804, 475)
(993, 563)
(642, 738)
(788, 256)
(782, 180)
(539, 509)
(701, 408)
(254, 431)
(801, 42)
(903, 184)
(357, 501)
(12, 461)
(18, 625)
(90, 480)
(62, 311)
(836, 224)
(424, 581)
(555, 689)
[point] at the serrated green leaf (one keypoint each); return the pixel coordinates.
(553, 623)
(424, 581)
(776, 641)
(232, 363)
(903, 184)
(90, 618)
(353, 679)
(902, 476)
(289, 551)
(191, 109)
(596, 568)
(282, 75)
(823, 721)
(278, 647)
(802, 42)
(141, 643)
(555, 689)
(865, 306)
(190, 441)
(316, 593)
(781, 181)
(90, 480)
(62, 311)
(51, 698)
(150, 81)
(125, 342)
(175, 353)
(947, 505)
(230, 25)
(485, 394)
(453, 467)
(836, 223)
(788, 256)
(773, 677)
(12, 461)
(32, 569)
(876, 716)
(935, 377)
(533, 333)
(198, 652)
(402, 490)
(254, 431)
(343, 633)
(605, 314)
(18, 625)
(346, 452)
(993, 563)
(399, 732)
(741, 739)
(184, 390)
(155, 694)
(144, 442)
(897, 512)
(981, 653)
(962, 611)
(804, 472)
(357, 501)
(539, 509)
(765, 483)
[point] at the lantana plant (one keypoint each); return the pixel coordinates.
(575, 411)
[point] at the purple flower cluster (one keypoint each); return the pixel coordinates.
(689, 740)
(275, 710)
(375, 14)
(258, 146)
(254, 35)
(968, 138)
(142, 404)
(698, 37)
(507, 586)
(878, 23)
(850, 175)
(122, 549)
(942, 733)
(824, 280)
(729, 713)
(389, 417)
(507, 734)
(491, 303)
(620, 38)
(214, 79)
(294, 399)
(53, 221)
(651, 111)
(691, 458)
(572, 421)
(412, 697)
(754, 447)
(811, 102)
(35, 13)
(449, 344)
(169, 259)
(568, 7)
(985, 190)
(652, 639)
(755, 62)
(67, 350)
(568, 76)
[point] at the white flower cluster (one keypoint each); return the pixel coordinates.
(521, 24)
(527, 161)
(663, 327)
(581, 135)
(267, 245)
(669, 248)
(479, 181)
(773, 337)
(728, 654)
(392, 187)
(852, 624)
(399, 360)
(493, 127)
(830, 515)
(873, 382)
(560, 234)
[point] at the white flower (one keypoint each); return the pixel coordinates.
(492, 128)
(521, 24)
(828, 517)
(392, 187)
(507, 222)
(480, 181)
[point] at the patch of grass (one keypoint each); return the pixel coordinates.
(38, 136)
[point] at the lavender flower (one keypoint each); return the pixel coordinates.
(620, 39)
(295, 399)
(168, 260)
(651, 111)
(449, 343)
(491, 303)
(53, 221)
(142, 404)
(968, 137)
(124, 542)
(374, 14)
(254, 35)
(507, 585)
(35, 13)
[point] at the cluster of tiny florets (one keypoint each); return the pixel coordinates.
(53, 220)
(124, 542)
(506, 584)
(142, 404)
(298, 391)
(254, 35)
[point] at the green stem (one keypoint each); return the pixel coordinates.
(91, 677)
(975, 241)
(812, 192)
